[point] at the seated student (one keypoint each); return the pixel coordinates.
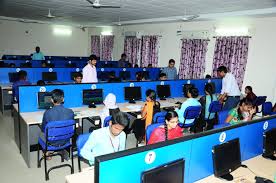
(78, 77)
(170, 130)
(12, 65)
(140, 76)
(113, 78)
(192, 94)
(205, 102)
(106, 140)
(136, 66)
(162, 76)
(22, 75)
(250, 94)
(208, 76)
(129, 65)
(150, 66)
(244, 112)
(40, 83)
(109, 105)
(150, 108)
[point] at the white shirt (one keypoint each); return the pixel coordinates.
(230, 85)
(89, 74)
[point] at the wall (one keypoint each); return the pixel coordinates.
(21, 38)
(261, 59)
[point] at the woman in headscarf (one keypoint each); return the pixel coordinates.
(110, 106)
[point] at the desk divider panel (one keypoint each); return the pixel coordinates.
(73, 92)
(195, 149)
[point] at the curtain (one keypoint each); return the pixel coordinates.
(131, 49)
(95, 45)
(107, 47)
(149, 51)
(192, 59)
(232, 52)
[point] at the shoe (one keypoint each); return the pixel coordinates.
(65, 155)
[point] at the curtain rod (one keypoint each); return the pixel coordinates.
(196, 38)
(232, 36)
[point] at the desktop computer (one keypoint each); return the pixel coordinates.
(44, 100)
(132, 94)
(49, 76)
(92, 97)
(163, 91)
(269, 144)
(124, 75)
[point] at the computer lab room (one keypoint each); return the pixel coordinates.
(126, 91)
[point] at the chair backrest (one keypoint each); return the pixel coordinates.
(59, 130)
(81, 141)
(267, 108)
(106, 121)
(260, 100)
(215, 107)
(222, 115)
(150, 129)
(192, 112)
(159, 117)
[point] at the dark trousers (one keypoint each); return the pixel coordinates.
(231, 103)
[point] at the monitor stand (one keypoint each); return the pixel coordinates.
(227, 177)
(92, 105)
(132, 101)
(163, 98)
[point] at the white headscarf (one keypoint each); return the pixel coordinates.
(110, 103)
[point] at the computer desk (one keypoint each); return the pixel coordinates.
(29, 122)
(260, 166)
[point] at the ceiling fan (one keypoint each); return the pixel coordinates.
(50, 15)
(187, 17)
(96, 4)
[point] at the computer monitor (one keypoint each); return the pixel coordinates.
(172, 172)
(186, 87)
(49, 76)
(132, 94)
(269, 145)
(90, 97)
(226, 158)
(163, 91)
(13, 77)
(124, 75)
(72, 65)
(104, 75)
(44, 100)
(146, 75)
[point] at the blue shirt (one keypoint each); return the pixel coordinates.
(170, 72)
(208, 102)
(189, 102)
(38, 56)
(101, 142)
(57, 113)
(15, 90)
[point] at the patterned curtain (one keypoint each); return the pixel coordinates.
(131, 48)
(149, 51)
(95, 45)
(192, 59)
(107, 47)
(232, 52)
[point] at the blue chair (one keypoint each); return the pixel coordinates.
(58, 137)
(222, 115)
(191, 112)
(80, 143)
(267, 109)
(159, 117)
(150, 129)
(106, 121)
(259, 101)
(214, 107)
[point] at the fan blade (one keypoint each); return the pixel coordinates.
(90, 1)
(107, 6)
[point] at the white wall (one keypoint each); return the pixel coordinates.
(14, 39)
(260, 70)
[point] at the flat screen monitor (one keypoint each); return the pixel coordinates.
(132, 94)
(146, 75)
(169, 173)
(124, 75)
(92, 96)
(49, 76)
(163, 91)
(269, 145)
(44, 100)
(105, 75)
(13, 77)
(226, 158)
(186, 87)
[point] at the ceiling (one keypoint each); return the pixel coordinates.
(76, 12)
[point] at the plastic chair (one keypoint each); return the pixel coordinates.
(159, 117)
(214, 107)
(106, 121)
(259, 101)
(56, 131)
(150, 129)
(80, 143)
(267, 109)
(191, 112)
(222, 115)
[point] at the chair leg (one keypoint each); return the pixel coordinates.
(79, 164)
(38, 157)
(45, 166)
(72, 159)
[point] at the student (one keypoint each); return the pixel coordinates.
(192, 94)
(78, 77)
(140, 76)
(113, 78)
(205, 102)
(136, 66)
(43, 64)
(150, 66)
(170, 71)
(162, 76)
(250, 94)
(40, 83)
(122, 62)
(106, 140)
(208, 76)
(244, 112)
(89, 71)
(38, 55)
(109, 105)
(170, 130)
(150, 108)
(22, 76)
(230, 89)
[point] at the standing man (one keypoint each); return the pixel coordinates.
(89, 71)
(230, 89)
(171, 71)
(38, 55)
(122, 62)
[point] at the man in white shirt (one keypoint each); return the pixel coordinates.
(89, 72)
(106, 140)
(230, 89)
